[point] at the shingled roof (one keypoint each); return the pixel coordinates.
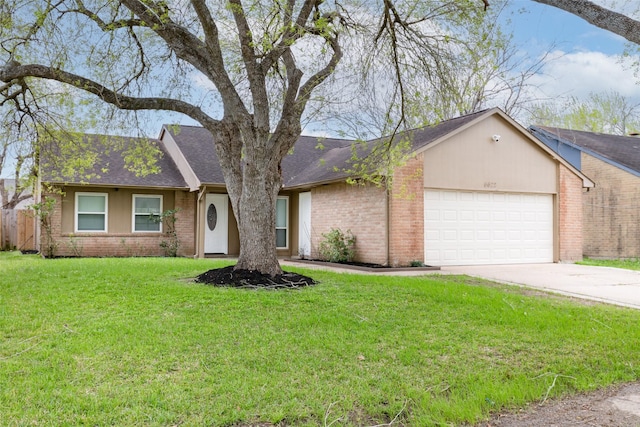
(622, 151)
(313, 160)
(109, 166)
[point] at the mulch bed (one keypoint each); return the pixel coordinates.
(251, 279)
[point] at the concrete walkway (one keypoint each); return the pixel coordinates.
(605, 284)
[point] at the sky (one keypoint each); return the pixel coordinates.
(586, 58)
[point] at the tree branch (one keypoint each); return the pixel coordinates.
(207, 58)
(211, 35)
(254, 70)
(600, 17)
(15, 72)
(104, 26)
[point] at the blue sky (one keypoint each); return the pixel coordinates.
(540, 24)
(587, 58)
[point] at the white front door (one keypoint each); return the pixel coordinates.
(216, 233)
(304, 224)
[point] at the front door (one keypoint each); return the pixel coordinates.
(216, 233)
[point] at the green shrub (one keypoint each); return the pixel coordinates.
(337, 246)
(172, 243)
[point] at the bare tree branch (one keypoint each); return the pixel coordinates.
(14, 72)
(600, 17)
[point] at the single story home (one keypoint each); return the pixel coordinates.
(478, 189)
(611, 210)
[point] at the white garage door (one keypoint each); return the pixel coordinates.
(467, 228)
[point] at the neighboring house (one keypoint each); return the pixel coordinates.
(611, 210)
(478, 189)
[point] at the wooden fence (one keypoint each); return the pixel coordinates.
(17, 230)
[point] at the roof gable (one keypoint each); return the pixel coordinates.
(620, 151)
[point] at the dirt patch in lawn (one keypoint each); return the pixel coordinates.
(251, 279)
(617, 406)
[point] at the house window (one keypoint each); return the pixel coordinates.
(282, 223)
(146, 213)
(91, 212)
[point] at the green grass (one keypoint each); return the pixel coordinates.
(134, 342)
(629, 264)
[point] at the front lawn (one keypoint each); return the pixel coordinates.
(135, 342)
(629, 264)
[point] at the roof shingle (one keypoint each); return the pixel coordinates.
(109, 167)
(623, 150)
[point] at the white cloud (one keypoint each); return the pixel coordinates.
(580, 73)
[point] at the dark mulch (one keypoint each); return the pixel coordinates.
(251, 279)
(359, 264)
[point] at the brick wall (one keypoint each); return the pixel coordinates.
(185, 224)
(123, 244)
(570, 216)
(406, 211)
(360, 208)
(611, 211)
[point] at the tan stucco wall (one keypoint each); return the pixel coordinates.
(471, 160)
(611, 211)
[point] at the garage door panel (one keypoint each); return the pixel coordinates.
(487, 228)
(450, 236)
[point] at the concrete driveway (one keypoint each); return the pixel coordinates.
(605, 284)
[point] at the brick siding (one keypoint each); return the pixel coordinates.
(406, 210)
(185, 224)
(570, 216)
(359, 208)
(611, 211)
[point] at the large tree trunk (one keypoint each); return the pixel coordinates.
(255, 212)
(253, 181)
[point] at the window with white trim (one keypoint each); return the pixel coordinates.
(146, 213)
(91, 212)
(282, 222)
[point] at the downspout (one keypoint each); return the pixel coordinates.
(387, 240)
(198, 239)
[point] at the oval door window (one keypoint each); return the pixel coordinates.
(212, 217)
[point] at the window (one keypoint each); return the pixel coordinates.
(146, 213)
(282, 223)
(91, 212)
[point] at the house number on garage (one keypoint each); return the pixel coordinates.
(490, 184)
